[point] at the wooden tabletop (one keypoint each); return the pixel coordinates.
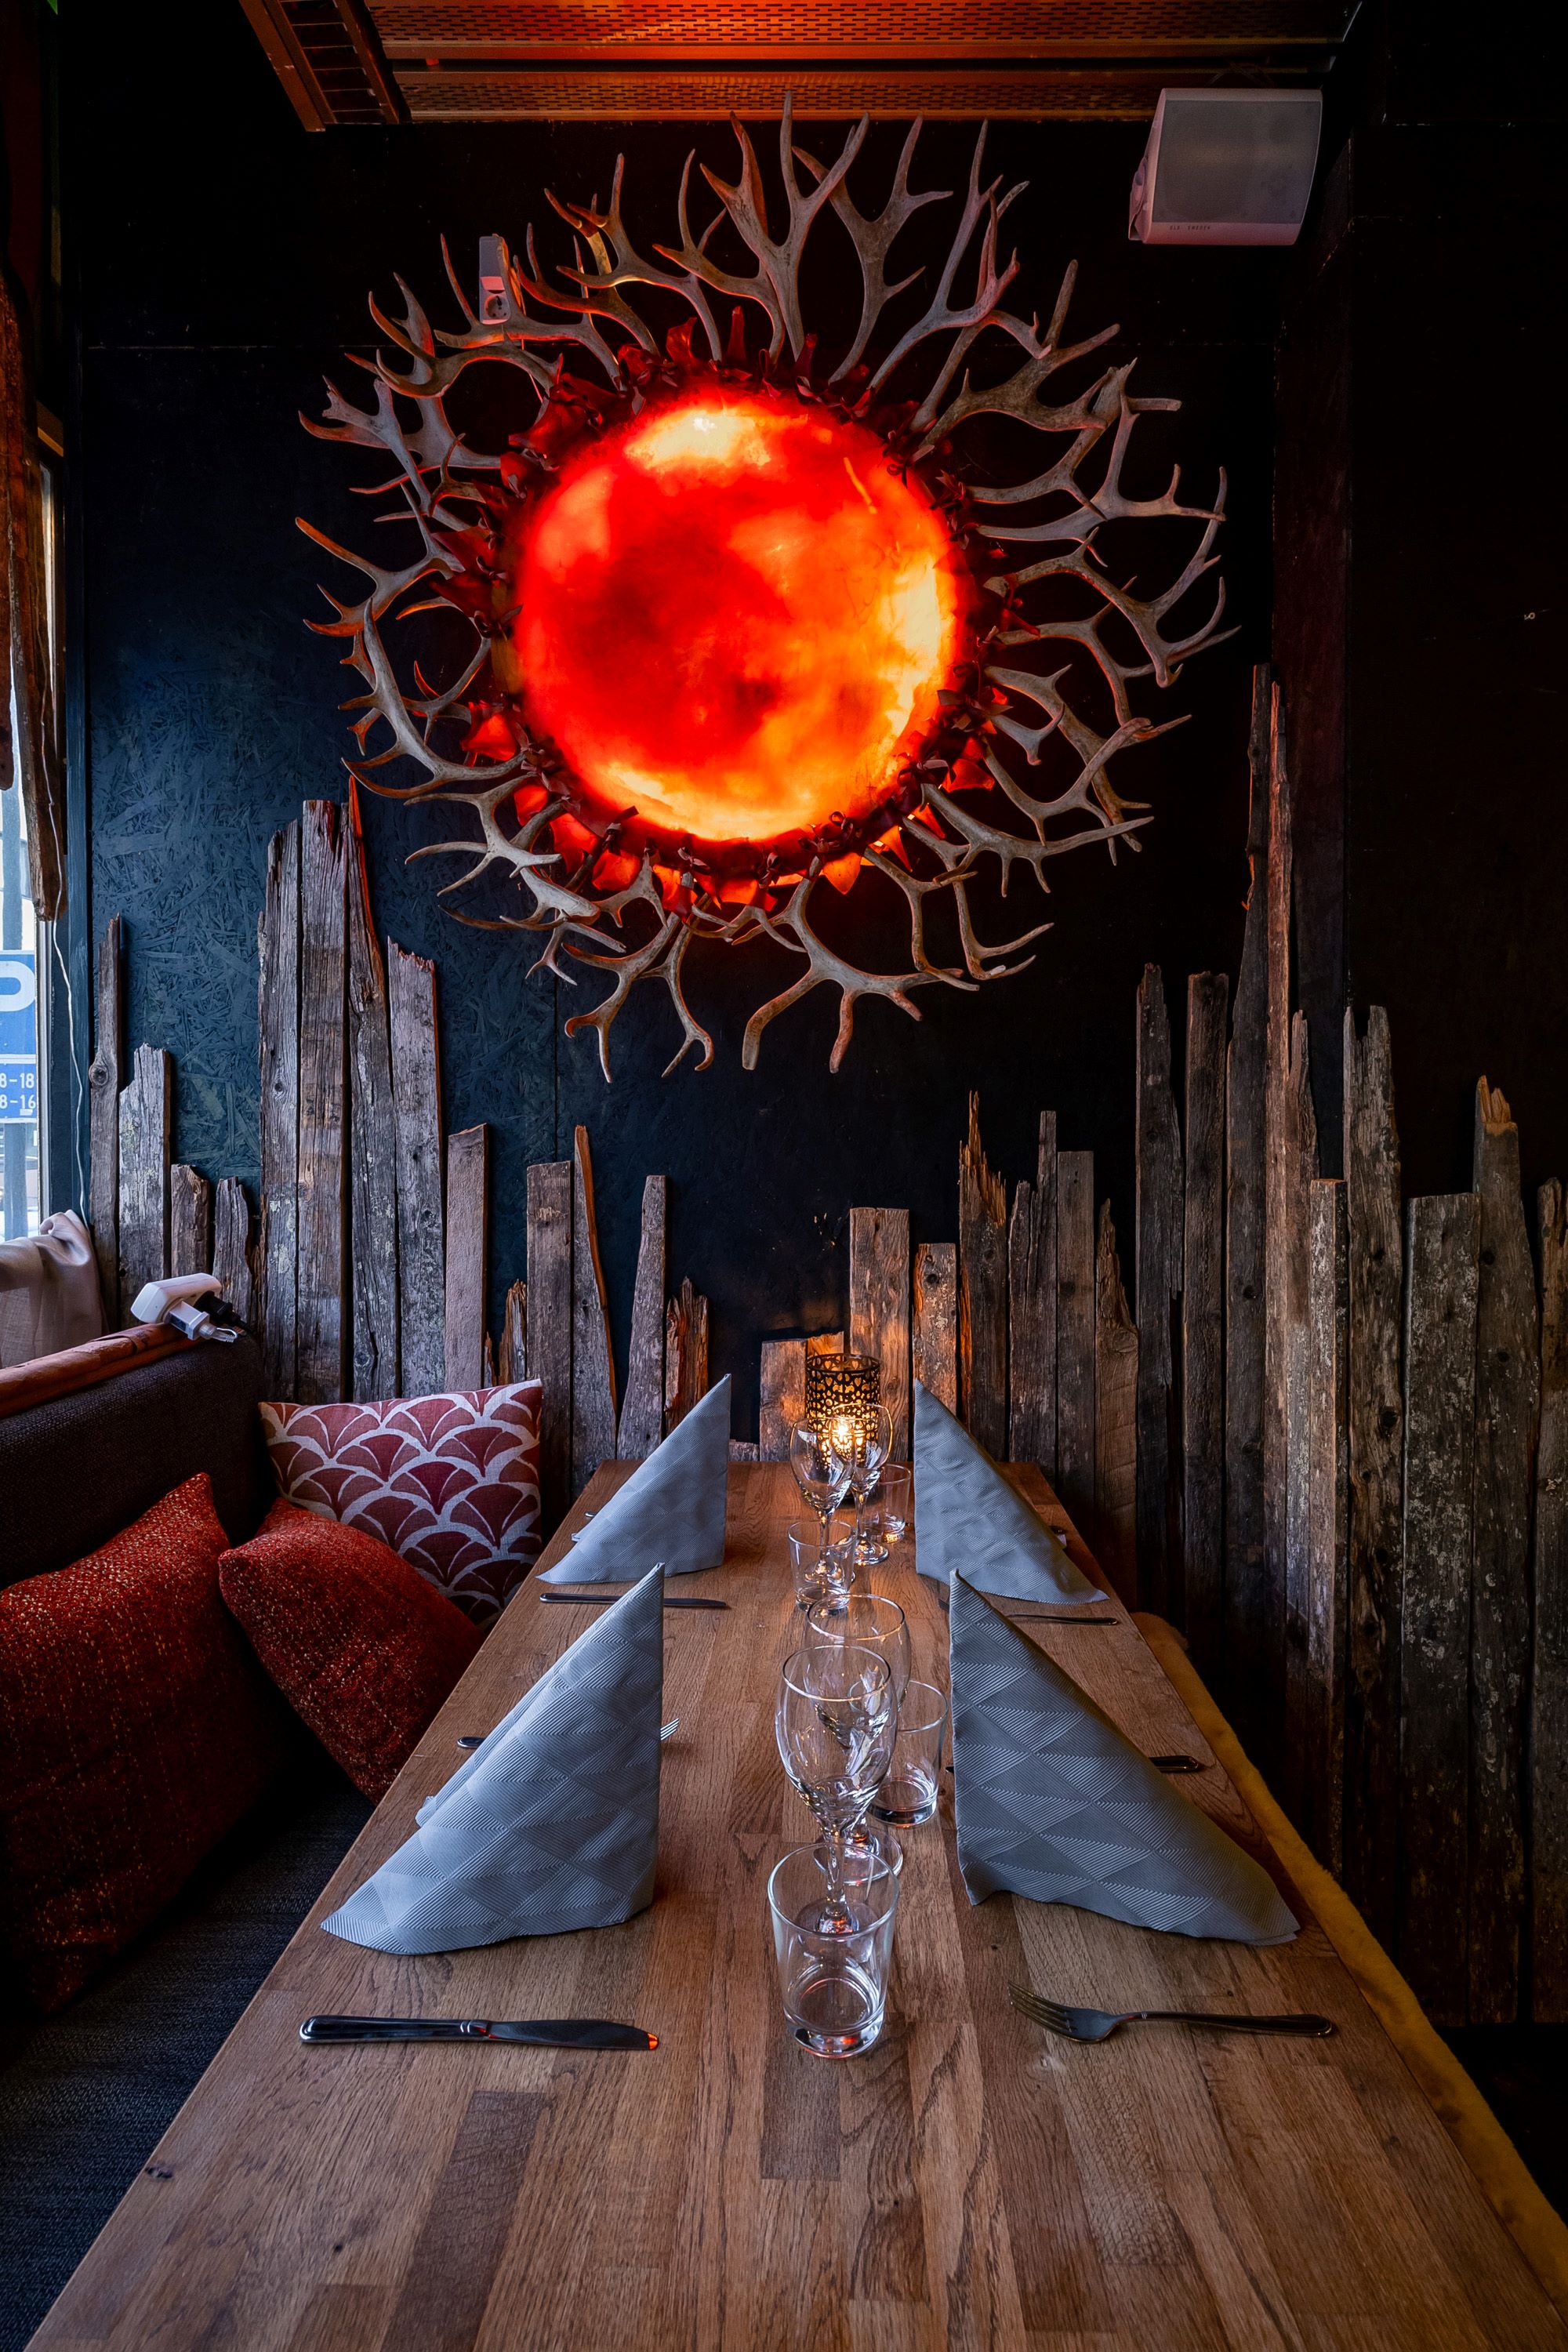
(972, 2182)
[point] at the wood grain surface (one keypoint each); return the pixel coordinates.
(373, 1141)
(323, 1087)
(233, 1247)
(933, 1340)
(982, 1292)
(972, 2183)
(1245, 1189)
(1327, 1519)
(1549, 1689)
(550, 1326)
(104, 1115)
(277, 1023)
(1157, 1258)
(1115, 1418)
(1032, 1310)
(146, 1124)
(594, 1406)
(642, 1407)
(879, 1308)
(468, 1256)
(1203, 1323)
(1076, 1280)
(190, 1221)
(416, 1119)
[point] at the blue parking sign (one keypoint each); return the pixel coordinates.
(18, 1036)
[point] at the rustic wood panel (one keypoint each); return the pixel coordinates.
(1328, 1514)
(782, 1385)
(190, 1221)
(550, 1188)
(1203, 1323)
(278, 1009)
(1271, 1631)
(982, 1292)
(1549, 1684)
(468, 1256)
(1157, 1156)
(1075, 1281)
(1507, 1409)
(1441, 1267)
(1246, 1609)
(879, 1308)
(1301, 1172)
(934, 1336)
(1377, 1473)
(323, 1075)
(373, 1141)
(1032, 1310)
(642, 1407)
(685, 1353)
(234, 1244)
(146, 1122)
(1115, 1418)
(511, 1361)
(104, 1083)
(416, 1119)
(593, 1359)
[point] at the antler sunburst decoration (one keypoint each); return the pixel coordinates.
(749, 622)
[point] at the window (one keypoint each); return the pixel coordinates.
(24, 951)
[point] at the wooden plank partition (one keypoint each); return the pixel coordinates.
(1032, 1310)
(103, 1082)
(323, 1075)
(1203, 1323)
(1246, 1577)
(981, 1291)
(879, 1308)
(1157, 1159)
(1549, 1693)
(934, 1319)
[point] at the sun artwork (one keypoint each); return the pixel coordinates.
(734, 618)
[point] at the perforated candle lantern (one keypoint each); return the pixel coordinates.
(842, 1389)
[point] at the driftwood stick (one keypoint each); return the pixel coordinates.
(982, 1292)
(1032, 1311)
(511, 1363)
(550, 1327)
(642, 1407)
(1301, 1171)
(277, 1010)
(1270, 1600)
(935, 1321)
(234, 1248)
(1548, 1686)
(593, 1361)
(1203, 1323)
(421, 1224)
(1246, 1610)
(685, 1353)
(1328, 1514)
(190, 1221)
(146, 1120)
(373, 1141)
(1158, 1166)
(1115, 1418)
(323, 1075)
(879, 1308)
(1075, 1281)
(467, 1241)
(103, 1081)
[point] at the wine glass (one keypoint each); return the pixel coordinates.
(821, 1474)
(863, 1444)
(869, 1620)
(834, 1720)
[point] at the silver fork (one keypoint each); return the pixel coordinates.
(1096, 2024)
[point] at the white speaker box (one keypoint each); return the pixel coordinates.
(1227, 167)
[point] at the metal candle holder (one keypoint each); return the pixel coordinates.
(842, 1388)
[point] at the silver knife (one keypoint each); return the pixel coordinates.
(548, 2033)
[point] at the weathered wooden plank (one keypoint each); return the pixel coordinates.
(642, 1407)
(190, 1221)
(1441, 1268)
(1203, 1323)
(1075, 1332)
(512, 1357)
(1328, 1513)
(416, 1120)
(1275, 1241)
(879, 1308)
(982, 1292)
(1157, 1152)
(1301, 1172)
(685, 1353)
(323, 1075)
(146, 1121)
(934, 1343)
(550, 1188)
(1376, 1472)
(1115, 1418)
(782, 1405)
(593, 1361)
(1548, 1683)
(234, 1242)
(103, 1082)
(1245, 1612)
(1032, 1310)
(373, 1141)
(278, 1011)
(1507, 1412)
(467, 1253)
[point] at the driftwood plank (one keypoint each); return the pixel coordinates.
(1203, 1323)
(1244, 1648)
(1158, 1172)
(1548, 1686)
(104, 1083)
(982, 1292)
(783, 1387)
(467, 1240)
(278, 1009)
(1301, 1172)
(550, 1186)
(593, 1362)
(511, 1363)
(1032, 1311)
(416, 1119)
(323, 1073)
(233, 1263)
(1075, 1332)
(685, 1353)
(373, 1141)
(1441, 1266)
(879, 1308)
(1376, 1472)
(146, 1118)
(1276, 1241)
(1507, 1409)
(935, 1340)
(190, 1221)
(642, 1407)
(1115, 1418)
(1328, 1513)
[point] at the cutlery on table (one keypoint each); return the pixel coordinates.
(1096, 2024)
(471, 1740)
(604, 1599)
(545, 2032)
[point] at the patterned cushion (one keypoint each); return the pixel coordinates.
(135, 1729)
(450, 1481)
(362, 1648)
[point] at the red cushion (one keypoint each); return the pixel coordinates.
(136, 1729)
(361, 1647)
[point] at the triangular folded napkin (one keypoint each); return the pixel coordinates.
(1052, 1802)
(969, 1517)
(672, 1508)
(553, 1823)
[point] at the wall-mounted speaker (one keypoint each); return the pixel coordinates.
(1227, 167)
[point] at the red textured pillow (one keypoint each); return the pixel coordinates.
(361, 1647)
(135, 1729)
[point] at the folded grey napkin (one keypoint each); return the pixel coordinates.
(670, 1510)
(968, 1516)
(1052, 1802)
(553, 1823)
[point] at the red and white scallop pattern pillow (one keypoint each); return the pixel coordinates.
(451, 1482)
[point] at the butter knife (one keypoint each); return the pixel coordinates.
(604, 1600)
(547, 2033)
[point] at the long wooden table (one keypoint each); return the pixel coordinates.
(972, 2182)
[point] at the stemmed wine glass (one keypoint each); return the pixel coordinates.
(836, 1720)
(863, 1444)
(820, 1472)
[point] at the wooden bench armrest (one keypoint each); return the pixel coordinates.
(48, 1377)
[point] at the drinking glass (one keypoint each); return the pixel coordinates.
(822, 1474)
(871, 1621)
(819, 1573)
(863, 1444)
(834, 1721)
(908, 1792)
(893, 1501)
(833, 1983)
